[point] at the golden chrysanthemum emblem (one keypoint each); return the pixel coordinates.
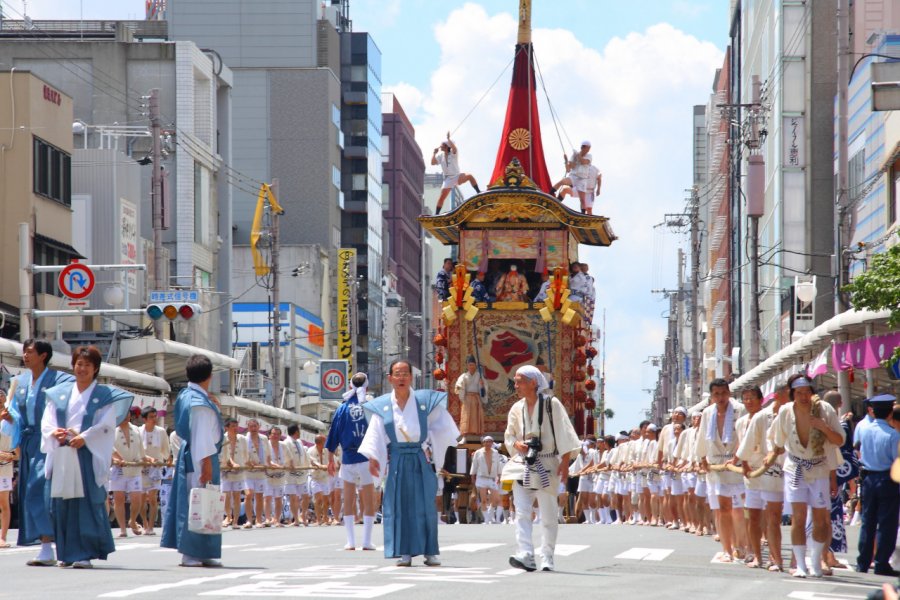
(520, 138)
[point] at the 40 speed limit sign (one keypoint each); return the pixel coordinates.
(333, 379)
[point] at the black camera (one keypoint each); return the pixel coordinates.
(534, 446)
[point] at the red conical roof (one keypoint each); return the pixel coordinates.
(522, 130)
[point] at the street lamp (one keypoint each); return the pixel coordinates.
(805, 290)
(310, 368)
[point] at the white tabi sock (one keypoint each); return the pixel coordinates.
(498, 515)
(348, 525)
(560, 511)
(485, 515)
(588, 516)
(505, 513)
(368, 523)
(800, 557)
(456, 514)
(815, 557)
(46, 552)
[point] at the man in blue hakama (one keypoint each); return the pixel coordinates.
(26, 407)
(198, 423)
(78, 432)
(401, 423)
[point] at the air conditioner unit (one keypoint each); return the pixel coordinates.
(253, 392)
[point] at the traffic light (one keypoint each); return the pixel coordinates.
(183, 310)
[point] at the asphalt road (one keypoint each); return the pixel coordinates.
(596, 560)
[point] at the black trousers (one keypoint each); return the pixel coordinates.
(878, 534)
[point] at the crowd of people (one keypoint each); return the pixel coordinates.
(737, 470)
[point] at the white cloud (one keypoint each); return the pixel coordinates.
(633, 99)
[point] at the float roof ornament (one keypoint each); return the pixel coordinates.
(521, 136)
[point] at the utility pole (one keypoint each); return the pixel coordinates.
(756, 172)
(277, 400)
(843, 168)
(695, 296)
(159, 282)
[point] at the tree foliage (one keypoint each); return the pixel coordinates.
(878, 289)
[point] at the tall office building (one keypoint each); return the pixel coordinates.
(404, 185)
(362, 223)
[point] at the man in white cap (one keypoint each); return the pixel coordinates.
(577, 172)
(486, 471)
(807, 431)
(880, 496)
(541, 439)
(348, 428)
(448, 159)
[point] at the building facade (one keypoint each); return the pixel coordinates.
(36, 189)
(363, 220)
(403, 187)
(108, 75)
(791, 48)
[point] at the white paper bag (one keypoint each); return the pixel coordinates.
(206, 510)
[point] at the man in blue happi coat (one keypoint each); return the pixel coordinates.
(400, 423)
(78, 432)
(26, 407)
(348, 427)
(198, 423)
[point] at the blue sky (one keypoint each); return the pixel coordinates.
(623, 77)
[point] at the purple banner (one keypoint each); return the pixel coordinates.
(865, 353)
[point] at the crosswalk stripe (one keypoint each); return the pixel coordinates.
(568, 549)
(645, 554)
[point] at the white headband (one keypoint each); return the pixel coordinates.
(534, 374)
(359, 392)
(680, 409)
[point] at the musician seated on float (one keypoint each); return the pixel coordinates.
(579, 285)
(479, 288)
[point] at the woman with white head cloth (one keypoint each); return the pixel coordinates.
(348, 428)
(540, 438)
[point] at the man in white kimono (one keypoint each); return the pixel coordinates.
(486, 471)
(716, 444)
(765, 493)
(400, 424)
(78, 432)
(807, 432)
(541, 439)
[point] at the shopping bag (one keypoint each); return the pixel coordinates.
(206, 510)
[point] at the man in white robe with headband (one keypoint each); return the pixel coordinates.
(541, 439)
(807, 431)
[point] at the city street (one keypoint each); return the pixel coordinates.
(309, 563)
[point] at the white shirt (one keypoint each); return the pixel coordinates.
(442, 431)
(480, 466)
(449, 162)
(99, 438)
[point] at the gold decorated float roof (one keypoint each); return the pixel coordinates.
(514, 202)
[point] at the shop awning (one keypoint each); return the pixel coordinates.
(140, 354)
(851, 323)
(264, 410)
(108, 371)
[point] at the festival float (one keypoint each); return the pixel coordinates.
(517, 220)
